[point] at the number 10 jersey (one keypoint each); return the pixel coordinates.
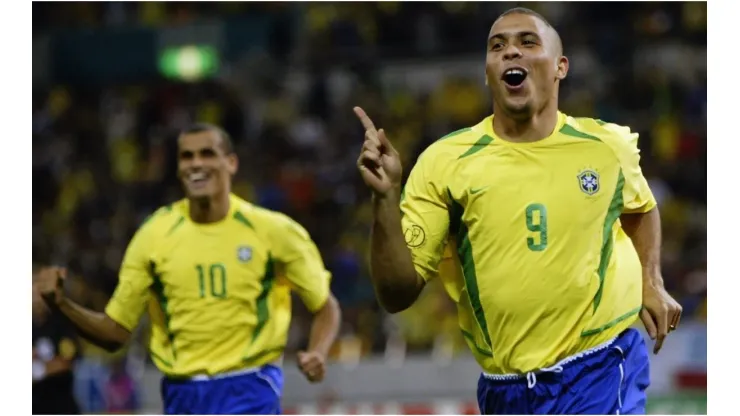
(218, 295)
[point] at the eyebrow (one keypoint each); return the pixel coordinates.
(504, 35)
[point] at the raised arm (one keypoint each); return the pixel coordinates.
(406, 238)
(397, 285)
(112, 329)
(97, 327)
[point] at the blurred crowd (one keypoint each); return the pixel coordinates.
(103, 158)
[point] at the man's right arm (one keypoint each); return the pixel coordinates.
(97, 327)
(408, 237)
(404, 252)
(397, 285)
(112, 329)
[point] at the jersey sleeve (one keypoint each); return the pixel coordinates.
(424, 216)
(637, 196)
(301, 262)
(131, 295)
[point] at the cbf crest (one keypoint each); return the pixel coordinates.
(244, 253)
(588, 180)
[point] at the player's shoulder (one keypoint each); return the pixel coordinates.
(164, 217)
(612, 134)
(273, 222)
(455, 144)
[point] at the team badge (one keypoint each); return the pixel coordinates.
(414, 236)
(588, 181)
(244, 254)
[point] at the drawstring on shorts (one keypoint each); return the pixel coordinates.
(532, 376)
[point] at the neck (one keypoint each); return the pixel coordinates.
(531, 128)
(208, 210)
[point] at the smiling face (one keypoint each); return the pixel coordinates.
(524, 64)
(204, 166)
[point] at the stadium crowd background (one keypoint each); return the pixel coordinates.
(103, 151)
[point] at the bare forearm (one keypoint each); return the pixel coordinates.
(645, 233)
(325, 327)
(396, 282)
(97, 327)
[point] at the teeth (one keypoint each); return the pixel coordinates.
(197, 176)
(514, 72)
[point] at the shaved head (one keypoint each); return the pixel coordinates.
(557, 42)
(524, 63)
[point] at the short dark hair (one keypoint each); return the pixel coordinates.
(226, 143)
(524, 10)
(530, 12)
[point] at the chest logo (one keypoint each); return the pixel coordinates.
(588, 180)
(244, 253)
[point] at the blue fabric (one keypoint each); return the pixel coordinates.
(255, 393)
(610, 381)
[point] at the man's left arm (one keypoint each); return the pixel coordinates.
(305, 270)
(641, 222)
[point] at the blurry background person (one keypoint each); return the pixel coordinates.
(54, 351)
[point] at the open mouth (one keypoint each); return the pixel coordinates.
(197, 178)
(514, 77)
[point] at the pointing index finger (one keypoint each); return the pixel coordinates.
(364, 119)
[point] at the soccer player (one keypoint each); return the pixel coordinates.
(215, 273)
(544, 231)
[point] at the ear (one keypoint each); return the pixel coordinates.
(232, 164)
(561, 68)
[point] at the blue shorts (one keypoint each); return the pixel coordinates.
(610, 379)
(248, 393)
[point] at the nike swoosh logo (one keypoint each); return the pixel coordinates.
(476, 190)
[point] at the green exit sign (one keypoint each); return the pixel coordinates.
(189, 63)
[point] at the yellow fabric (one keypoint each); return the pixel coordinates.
(527, 240)
(218, 295)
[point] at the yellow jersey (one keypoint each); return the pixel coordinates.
(527, 240)
(218, 294)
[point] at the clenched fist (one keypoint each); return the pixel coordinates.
(378, 163)
(312, 365)
(50, 284)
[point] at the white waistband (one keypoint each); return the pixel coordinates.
(557, 368)
(206, 377)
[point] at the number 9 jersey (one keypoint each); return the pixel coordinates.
(218, 294)
(527, 240)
